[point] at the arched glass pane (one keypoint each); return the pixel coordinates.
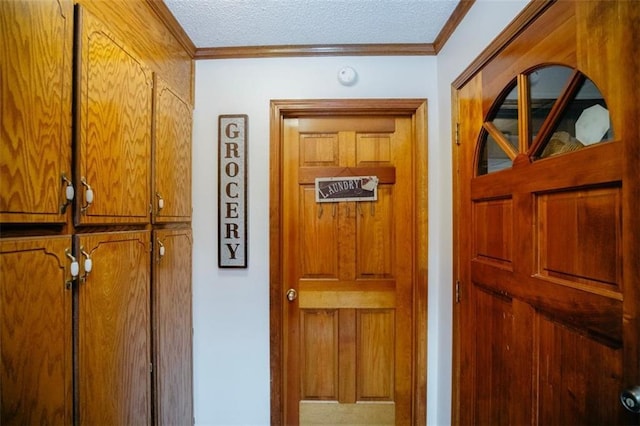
(545, 86)
(492, 157)
(506, 117)
(584, 122)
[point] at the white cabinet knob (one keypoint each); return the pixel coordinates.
(88, 263)
(89, 196)
(69, 192)
(75, 269)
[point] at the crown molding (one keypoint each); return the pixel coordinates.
(172, 24)
(315, 50)
(452, 23)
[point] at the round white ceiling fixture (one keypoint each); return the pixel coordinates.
(347, 76)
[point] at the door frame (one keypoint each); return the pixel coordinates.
(279, 111)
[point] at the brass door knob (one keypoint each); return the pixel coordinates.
(292, 295)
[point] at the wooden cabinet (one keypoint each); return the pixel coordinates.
(35, 331)
(171, 156)
(78, 349)
(35, 105)
(172, 327)
(114, 323)
(113, 170)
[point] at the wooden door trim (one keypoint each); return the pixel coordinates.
(528, 15)
(417, 110)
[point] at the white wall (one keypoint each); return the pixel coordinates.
(231, 307)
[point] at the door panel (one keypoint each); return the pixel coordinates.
(351, 264)
(172, 327)
(320, 354)
(577, 393)
(319, 254)
(493, 233)
(375, 355)
(579, 234)
(35, 147)
(171, 156)
(114, 343)
(375, 226)
(495, 348)
(114, 128)
(332, 414)
(35, 331)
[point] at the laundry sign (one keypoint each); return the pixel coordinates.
(352, 188)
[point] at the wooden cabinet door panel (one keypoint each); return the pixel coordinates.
(171, 156)
(114, 326)
(35, 331)
(172, 327)
(114, 128)
(35, 132)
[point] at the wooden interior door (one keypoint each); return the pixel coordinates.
(35, 331)
(114, 329)
(350, 273)
(541, 299)
(547, 240)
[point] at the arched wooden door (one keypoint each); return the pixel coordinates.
(547, 235)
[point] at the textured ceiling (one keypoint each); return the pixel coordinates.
(237, 23)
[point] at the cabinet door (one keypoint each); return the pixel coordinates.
(114, 349)
(35, 331)
(114, 128)
(172, 327)
(35, 106)
(171, 156)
